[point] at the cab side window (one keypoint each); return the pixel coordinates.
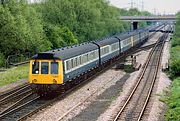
(35, 67)
(54, 67)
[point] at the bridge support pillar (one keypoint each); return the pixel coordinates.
(134, 25)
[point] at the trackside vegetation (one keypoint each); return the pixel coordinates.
(173, 98)
(14, 74)
(49, 24)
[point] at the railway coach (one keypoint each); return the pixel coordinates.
(52, 69)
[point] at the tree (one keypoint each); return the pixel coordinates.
(10, 35)
(21, 29)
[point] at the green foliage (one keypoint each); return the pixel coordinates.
(57, 36)
(67, 35)
(175, 61)
(175, 56)
(2, 60)
(85, 19)
(175, 41)
(14, 74)
(173, 102)
(10, 36)
(53, 35)
(128, 68)
(52, 24)
(21, 29)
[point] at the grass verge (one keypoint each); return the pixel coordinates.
(172, 99)
(13, 75)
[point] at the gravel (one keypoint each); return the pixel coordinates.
(92, 89)
(102, 102)
(158, 108)
(12, 85)
(103, 96)
(153, 39)
(113, 109)
(111, 112)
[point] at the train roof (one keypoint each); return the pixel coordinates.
(106, 41)
(67, 52)
(126, 35)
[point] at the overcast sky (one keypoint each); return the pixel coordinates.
(153, 6)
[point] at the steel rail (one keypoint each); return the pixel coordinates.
(139, 80)
(14, 107)
(14, 95)
(9, 100)
(13, 91)
(152, 85)
(72, 89)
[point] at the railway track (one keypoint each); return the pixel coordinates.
(26, 103)
(65, 93)
(14, 91)
(19, 108)
(134, 107)
(10, 97)
(32, 103)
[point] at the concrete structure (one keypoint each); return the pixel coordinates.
(148, 18)
(135, 19)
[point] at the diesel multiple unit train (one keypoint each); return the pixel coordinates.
(52, 69)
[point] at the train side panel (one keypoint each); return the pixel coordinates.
(80, 64)
(78, 71)
(126, 44)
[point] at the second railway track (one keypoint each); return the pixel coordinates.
(31, 103)
(26, 104)
(134, 106)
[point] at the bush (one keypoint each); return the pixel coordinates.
(175, 41)
(173, 102)
(175, 61)
(2, 60)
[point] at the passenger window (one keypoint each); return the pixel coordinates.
(72, 66)
(80, 60)
(67, 65)
(54, 67)
(44, 67)
(35, 67)
(74, 62)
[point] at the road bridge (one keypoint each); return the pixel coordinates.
(135, 19)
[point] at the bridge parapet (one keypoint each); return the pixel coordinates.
(148, 18)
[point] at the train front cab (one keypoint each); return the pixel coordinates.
(46, 72)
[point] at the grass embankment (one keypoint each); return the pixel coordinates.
(173, 98)
(13, 75)
(173, 102)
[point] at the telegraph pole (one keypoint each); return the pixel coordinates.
(155, 11)
(132, 4)
(142, 5)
